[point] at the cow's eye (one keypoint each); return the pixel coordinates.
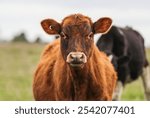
(63, 35)
(90, 35)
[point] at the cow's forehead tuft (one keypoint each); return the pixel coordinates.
(76, 19)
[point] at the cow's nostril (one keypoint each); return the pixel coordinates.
(76, 56)
(73, 56)
(82, 56)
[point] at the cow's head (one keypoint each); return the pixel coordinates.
(76, 33)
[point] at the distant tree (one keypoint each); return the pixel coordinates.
(20, 38)
(38, 40)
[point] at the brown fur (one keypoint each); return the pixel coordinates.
(55, 80)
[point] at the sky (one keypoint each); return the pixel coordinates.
(25, 15)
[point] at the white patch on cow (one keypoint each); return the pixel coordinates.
(110, 57)
(146, 81)
(118, 91)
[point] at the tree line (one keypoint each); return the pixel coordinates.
(22, 38)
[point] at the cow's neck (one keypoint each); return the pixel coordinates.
(80, 82)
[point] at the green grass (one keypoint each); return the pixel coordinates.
(17, 65)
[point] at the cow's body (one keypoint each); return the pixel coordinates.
(127, 47)
(78, 74)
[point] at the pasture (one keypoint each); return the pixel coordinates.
(17, 64)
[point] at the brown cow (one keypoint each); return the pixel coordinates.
(72, 68)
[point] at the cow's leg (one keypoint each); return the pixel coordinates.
(118, 91)
(146, 81)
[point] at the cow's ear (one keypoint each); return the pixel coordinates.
(102, 25)
(50, 26)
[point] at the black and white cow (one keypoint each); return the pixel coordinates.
(125, 48)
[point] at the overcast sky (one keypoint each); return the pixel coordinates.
(25, 15)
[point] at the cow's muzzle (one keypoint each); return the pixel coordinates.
(76, 59)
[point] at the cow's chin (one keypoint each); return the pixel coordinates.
(76, 65)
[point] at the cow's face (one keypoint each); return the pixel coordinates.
(76, 32)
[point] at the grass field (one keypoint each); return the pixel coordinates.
(17, 64)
